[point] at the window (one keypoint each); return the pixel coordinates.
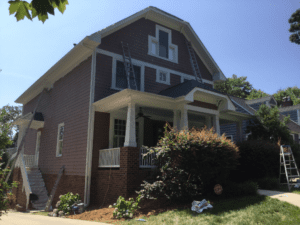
(161, 45)
(121, 78)
(60, 138)
(120, 131)
(229, 137)
(163, 77)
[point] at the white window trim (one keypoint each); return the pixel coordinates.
(143, 64)
(156, 40)
(167, 77)
(247, 135)
(122, 116)
(37, 146)
(293, 136)
(114, 73)
(57, 141)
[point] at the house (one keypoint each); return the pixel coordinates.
(251, 106)
(94, 121)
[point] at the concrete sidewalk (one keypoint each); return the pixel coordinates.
(291, 198)
(17, 218)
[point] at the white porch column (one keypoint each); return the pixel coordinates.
(208, 122)
(216, 124)
(20, 136)
(130, 138)
(239, 131)
(184, 119)
(176, 119)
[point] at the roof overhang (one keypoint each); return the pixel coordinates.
(85, 48)
(24, 120)
(74, 57)
(266, 98)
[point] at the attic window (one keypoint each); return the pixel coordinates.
(161, 45)
(162, 77)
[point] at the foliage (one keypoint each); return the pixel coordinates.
(235, 86)
(295, 27)
(4, 189)
(254, 94)
(67, 201)
(39, 8)
(268, 183)
(190, 162)
(4, 130)
(12, 113)
(269, 126)
(291, 92)
(258, 159)
(125, 209)
(233, 189)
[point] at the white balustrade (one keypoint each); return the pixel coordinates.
(109, 157)
(29, 160)
(148, 161)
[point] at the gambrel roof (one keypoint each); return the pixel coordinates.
(85, 48)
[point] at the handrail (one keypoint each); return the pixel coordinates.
(109, 157)
(26, 184)
(10, 151)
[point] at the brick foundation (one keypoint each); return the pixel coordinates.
(67, 183)
(123, 181)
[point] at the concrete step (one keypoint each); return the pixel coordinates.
(42, 198)
(35, 176)
(38, 202)
(39, 206)
(39, 192)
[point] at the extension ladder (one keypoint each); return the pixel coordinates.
(194, 63)
(289, 165)
(128, 66)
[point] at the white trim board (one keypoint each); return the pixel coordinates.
(116, 56)
(241, 106)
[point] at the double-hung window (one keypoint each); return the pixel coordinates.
(60, 139)
(161, 45)
(119, 133)
(121, 77)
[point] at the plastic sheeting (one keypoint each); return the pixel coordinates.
(199, 206)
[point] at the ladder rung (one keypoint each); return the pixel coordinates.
(294, 176)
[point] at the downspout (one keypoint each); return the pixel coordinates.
(90, 135)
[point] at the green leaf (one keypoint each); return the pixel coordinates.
(21, 8)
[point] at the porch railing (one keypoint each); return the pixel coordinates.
(29, 160)
(11, 151)
(146, 162)
(26, 185)
(109, 157)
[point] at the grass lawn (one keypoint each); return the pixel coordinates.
(246, 210)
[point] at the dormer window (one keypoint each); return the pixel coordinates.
(161, 45)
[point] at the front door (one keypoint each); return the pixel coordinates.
(153, 131)
(37, 148)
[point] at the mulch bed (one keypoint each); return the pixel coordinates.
(148, 208)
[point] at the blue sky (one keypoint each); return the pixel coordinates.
(245, 37)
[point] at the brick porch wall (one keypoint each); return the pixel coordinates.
(123, 181)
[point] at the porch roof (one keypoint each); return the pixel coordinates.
(38, 120)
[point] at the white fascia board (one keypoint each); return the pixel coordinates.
(253, 101)
(190, 96)
(73, 58)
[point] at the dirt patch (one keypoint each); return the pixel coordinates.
(148, 208)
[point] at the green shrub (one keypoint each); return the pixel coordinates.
(233, 189)
(191, 163)
(4, 190)
(124, 208)
(268, 183)
(258, 159)
(67, 201)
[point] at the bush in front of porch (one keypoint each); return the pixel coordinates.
(191, 163)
